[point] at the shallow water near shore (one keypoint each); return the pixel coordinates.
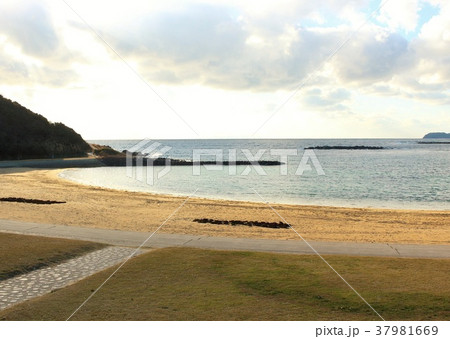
(403, 175)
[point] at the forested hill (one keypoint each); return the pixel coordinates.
(27, 135)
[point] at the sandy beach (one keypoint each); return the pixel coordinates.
(112, 209)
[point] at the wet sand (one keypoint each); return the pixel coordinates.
(112, 209)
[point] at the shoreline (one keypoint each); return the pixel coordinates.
(97, 207)
(398, 206)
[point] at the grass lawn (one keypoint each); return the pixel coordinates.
(194, 284)
(21, 253)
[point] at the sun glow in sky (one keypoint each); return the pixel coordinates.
(229, 69)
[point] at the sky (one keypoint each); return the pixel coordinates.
(230, 69)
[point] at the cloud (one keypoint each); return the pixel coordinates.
(331, 102)
(432, 46)
(19, 73)
(29, 25)
(400, 14)
(31, 50)
(424, 73)
(184, 45)
(228, 45)
(217, 46)
(370, 57)
(254, 49)
(12, 71)
(225, 46)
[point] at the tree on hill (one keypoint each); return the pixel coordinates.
(27, 135)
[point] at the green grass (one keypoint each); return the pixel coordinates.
(20, 253)
(193, 284)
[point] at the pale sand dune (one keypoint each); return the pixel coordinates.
(111, 209)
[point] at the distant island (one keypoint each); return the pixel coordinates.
(437, 135)
(27, 135)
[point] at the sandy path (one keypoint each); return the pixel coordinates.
(111, 209)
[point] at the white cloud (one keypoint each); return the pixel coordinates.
(367, 58)
(29, 25)
(31, 50)
(226, 51)
(400, 14)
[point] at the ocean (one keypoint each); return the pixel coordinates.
(404, 174)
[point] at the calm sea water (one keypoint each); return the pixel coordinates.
(404, 175)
